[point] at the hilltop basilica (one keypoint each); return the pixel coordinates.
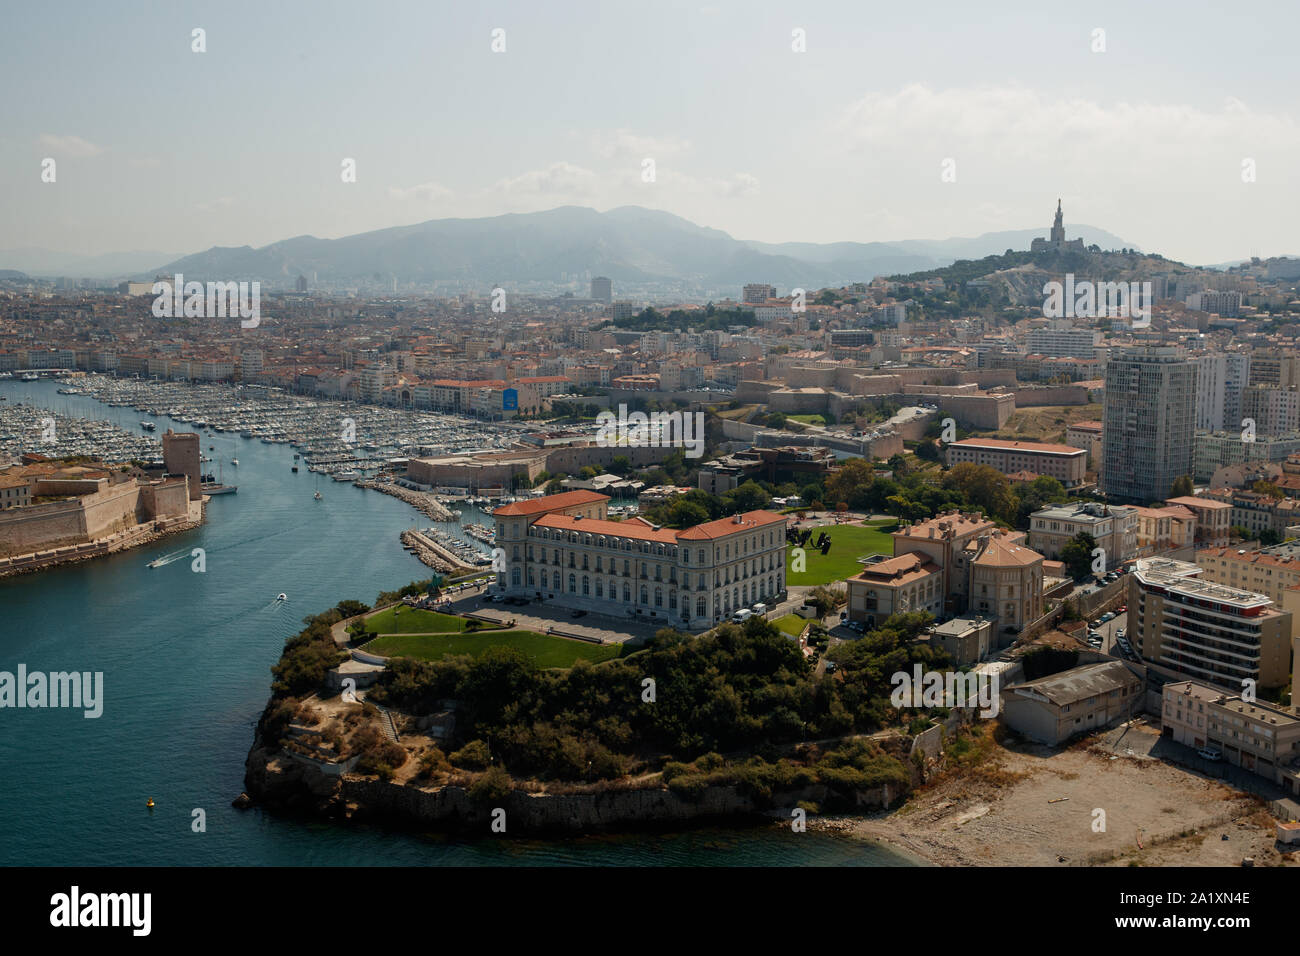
(1057, 241)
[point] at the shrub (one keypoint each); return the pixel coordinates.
(473, 756)
(491, 787)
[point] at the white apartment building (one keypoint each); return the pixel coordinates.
(1063, 342)
(1221, 377)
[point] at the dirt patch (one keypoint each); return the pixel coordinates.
(1033, 806)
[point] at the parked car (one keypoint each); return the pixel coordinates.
(1210, 753)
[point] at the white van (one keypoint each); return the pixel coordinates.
(741, 616)
(759, 609)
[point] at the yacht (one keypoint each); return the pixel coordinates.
(235, 462)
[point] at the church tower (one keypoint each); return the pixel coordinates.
(1058, 226)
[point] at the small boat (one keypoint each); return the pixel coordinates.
(282, 596)
(234, 461)
(150, 803)
(318, 496)
(156, 563)
(295, 469)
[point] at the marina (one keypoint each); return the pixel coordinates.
(340, 439)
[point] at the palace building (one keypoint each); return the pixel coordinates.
(564, 548)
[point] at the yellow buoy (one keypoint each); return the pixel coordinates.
(150, 804)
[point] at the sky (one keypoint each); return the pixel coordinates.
(1174, 128)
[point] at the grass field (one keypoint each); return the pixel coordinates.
(791, 624)
(848, 543)
(413, 621)
(545, 649)
(807, 419)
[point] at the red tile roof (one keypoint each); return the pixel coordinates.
(547, 503)
(725, 526)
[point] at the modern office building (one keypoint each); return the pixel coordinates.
(602, 289)
(1149, 423)
(1216, 450)
(1183, 625)
(756, 293)
(563, 548)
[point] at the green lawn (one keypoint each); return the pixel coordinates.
(413, 620)
(807, 419)
(791, 624)
(546, 649)
(848, 543)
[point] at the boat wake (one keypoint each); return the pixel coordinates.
(169, 558)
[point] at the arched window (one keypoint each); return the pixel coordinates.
(644, 595)
(586, 585)
(627, 593)
(555, 580)
(659, 597)
(600, 588)
(701, 608)
(573, 584)
(514, 577)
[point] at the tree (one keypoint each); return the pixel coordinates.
(749, 496)
(928, 450)
(1268, 489)
(1077, 555)
(683, 513)
(1036, 494)
(1182, 486)
(984, 487)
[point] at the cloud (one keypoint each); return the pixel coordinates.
(558, 179)
(1020, 124)
(738, 186)
(69, 145)
(623, 144)
(429, 192)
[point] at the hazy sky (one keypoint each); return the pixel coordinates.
(161, 148)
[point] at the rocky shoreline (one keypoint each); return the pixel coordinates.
(422, 501)
(280, 783)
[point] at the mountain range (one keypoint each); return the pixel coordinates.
(634, 246)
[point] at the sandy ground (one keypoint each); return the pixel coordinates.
(1030, 806)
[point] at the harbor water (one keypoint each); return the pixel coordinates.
(186, 659)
